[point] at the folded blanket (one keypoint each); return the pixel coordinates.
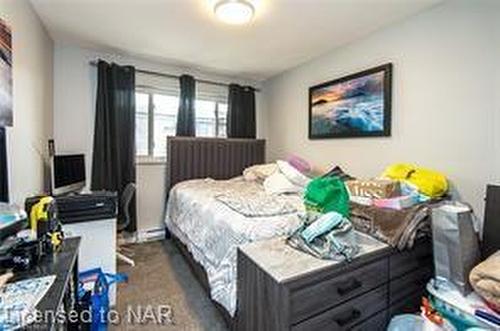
(256, 205)
(398, 228)
(485, 279)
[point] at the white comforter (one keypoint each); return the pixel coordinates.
(212, 231)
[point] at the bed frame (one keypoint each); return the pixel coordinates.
(191, 158)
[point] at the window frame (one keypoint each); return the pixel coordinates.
(150, 158)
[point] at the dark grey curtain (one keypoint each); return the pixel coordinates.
(4, 178)
(113, 164)
(241, 112)
(186, 114)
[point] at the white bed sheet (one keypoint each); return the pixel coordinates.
(212, 231)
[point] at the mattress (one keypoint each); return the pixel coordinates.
(212, 231)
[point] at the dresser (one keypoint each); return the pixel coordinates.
(280, 288)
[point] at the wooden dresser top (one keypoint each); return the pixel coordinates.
(285, 263)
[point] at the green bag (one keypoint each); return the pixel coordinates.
(325, 194)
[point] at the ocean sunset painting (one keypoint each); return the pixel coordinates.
(353, 106)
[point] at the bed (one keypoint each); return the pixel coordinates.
(206, 230)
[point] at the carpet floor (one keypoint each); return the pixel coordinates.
(162, 277)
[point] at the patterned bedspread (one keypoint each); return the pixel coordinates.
(212, 230)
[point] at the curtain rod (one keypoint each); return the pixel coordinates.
(162, 74)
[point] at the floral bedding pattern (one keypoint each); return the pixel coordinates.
(212, 230)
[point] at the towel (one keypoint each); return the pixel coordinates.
(485, 279)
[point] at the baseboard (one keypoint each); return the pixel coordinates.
(150, 235)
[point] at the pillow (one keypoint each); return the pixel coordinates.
(299, 163)
(278, 183)
(292, 174)
(259, 172)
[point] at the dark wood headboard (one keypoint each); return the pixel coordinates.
(190, 158)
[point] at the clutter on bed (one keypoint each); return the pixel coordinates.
(485, 280)
(456, 244)
(278, 183)
(299, 163)
(292, 174)
(259, 172)
(287, 179)
(318, 216)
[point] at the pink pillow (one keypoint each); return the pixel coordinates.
(299, 163)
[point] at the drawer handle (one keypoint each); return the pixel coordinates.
(348, 286)
(348, 317)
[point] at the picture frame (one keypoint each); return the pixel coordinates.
(357, 105)
(6, 97)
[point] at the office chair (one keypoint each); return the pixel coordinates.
(125, 199)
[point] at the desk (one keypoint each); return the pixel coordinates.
(64, 291)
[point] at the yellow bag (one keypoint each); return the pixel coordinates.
(429, 182)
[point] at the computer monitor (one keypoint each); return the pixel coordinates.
(68, 173)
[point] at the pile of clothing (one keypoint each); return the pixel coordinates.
(395, 207)
(326, 232)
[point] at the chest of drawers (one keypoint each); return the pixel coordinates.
(280, 288)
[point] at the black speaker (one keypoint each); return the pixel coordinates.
(491, 227)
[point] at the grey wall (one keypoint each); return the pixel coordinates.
(74, 110)
(445, 99)
(32, 85)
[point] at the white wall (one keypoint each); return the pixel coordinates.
(74, 110)
(445, 99)
(32, 89)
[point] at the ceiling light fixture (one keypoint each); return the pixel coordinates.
(234, 11)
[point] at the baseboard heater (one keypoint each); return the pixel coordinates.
(151, 235)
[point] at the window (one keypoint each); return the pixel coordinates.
(156, 118)
(210, 118)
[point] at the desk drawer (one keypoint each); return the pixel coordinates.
(330, 292)
(401, 263)
(348, 314)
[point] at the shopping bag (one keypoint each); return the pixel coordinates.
(456, 244)
(99, 298)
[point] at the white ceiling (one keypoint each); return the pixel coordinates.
(283, 34)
